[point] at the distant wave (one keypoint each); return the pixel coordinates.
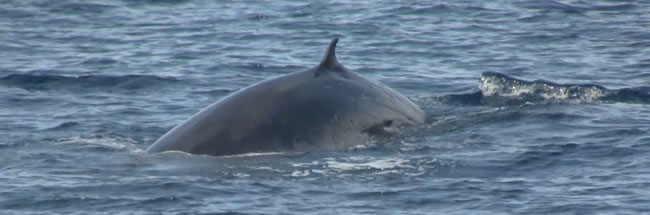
(63, 126)
(54, 82)
(576, 7)
(497, 89)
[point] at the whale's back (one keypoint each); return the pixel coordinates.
(327, 107)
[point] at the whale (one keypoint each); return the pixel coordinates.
(327, 107)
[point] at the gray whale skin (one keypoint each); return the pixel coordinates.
(327, 107)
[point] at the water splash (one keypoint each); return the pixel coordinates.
(497, 86)
(498, 89)
(501, 89)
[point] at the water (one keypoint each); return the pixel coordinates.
(86, 86)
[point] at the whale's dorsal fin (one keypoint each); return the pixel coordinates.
(329, 61)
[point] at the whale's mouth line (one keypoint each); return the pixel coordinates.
(498, 89)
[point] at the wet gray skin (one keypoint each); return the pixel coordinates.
(327, 107)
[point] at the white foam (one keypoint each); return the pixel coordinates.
(255, 154)
(502, 87)
(241, 175)
(313, 163)
(266, 168)
(299, 173)
(354, 164)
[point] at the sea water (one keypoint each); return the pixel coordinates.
(535, 106)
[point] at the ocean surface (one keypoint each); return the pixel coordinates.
(536, 106)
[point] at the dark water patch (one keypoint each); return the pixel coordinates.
(641, 75)
(415, 9)
(439, 8)
(570, 155)
(636, 35)
(546, 38)
(191, 55)
(216, 93)
(636, 44)
(141, 3)
(579, 7)
(310, 192)
(25, 99)
(5, 145)
(69, 200)
(463, 99)
(407, 42)
(466, 122)
(550, 5)
(556, 117)
(16, 13)
(86, 39)
(255, 37)
(534, 18)
(642, 143)
(63, 126)
(373, 195)
(634, 95)
(617, 133)
(323, 29)
(71, 8)
(83, 83)
(45, 158)
(99, 61)
(483, 28)
(545, 157)
(613, 7)
(258, 17)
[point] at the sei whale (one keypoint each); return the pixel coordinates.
(327, 107)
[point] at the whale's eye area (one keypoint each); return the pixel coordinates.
(381, 129)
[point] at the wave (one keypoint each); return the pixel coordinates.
(83, 82)
(576, 7)
(498, 89)
(63, 126)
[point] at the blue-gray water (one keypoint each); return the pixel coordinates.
(86, 86)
